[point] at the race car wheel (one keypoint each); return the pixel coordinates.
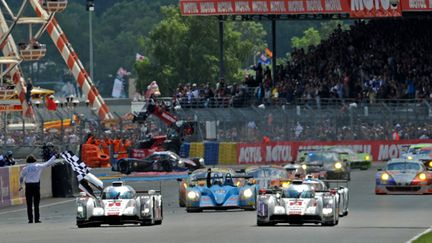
(263, 223)
(181, 204)
(158, 222)
(345, 213)
(193, 210)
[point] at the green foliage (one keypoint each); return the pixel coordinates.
(186, 49)
(310, 38)
(313, 37)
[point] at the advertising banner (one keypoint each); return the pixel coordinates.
(238, 7)
(416, 5)
(4, 187)
(375, 8)
(17, 197)
(284, 152)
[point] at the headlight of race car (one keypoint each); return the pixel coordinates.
(247, 193)
(80, 211)
(201, 160)
(285, 184)
(422, 176)
(385, 177)
(338, 165)
(192, 195)
(304, 167)
(430, 164)
(409, 157)
(327, 211)
(367, 158)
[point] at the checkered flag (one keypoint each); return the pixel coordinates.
(85, 179)
(76, 163)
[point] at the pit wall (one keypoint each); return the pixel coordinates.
(9, 185)
(221, 153)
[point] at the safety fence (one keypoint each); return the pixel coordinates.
(279, 152)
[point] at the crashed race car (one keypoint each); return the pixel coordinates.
(403, 176)
(298, 204)
(119, 204)
(220, 190)
(165, 161)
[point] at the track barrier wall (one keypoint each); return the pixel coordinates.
(9, 185)
(224, 153)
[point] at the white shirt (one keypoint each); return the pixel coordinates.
(32, 172)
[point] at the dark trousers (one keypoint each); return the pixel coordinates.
(32, 193)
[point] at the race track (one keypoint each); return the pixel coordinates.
(371, 219)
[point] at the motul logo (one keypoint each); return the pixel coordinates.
(278, 153)
(250, 155)
(360, 5)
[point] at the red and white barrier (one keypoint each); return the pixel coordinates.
(74, 64)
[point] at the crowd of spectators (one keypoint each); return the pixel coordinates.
(376, 59)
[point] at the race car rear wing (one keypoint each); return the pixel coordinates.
(150, 192)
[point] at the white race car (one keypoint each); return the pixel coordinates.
(297, 204)
(119, 204)
(341, 193)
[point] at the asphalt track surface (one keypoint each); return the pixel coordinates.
(372, 218)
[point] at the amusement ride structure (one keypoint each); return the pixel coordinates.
(13, 54)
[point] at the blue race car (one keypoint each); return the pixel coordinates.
(220, 190)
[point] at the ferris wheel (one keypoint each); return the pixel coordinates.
(13, 54)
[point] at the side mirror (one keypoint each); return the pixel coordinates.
(179, 179)
(379, 169)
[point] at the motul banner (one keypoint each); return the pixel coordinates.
(417, 5)
(239, 7)
(375, 8)
(284, 152)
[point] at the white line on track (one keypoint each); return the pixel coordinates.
(419, 235)
(43, 206)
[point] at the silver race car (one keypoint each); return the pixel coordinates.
(119, 204)
(297, 204)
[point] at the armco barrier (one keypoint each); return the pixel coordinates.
(196, 150)
(211, 153)
(227, 153)
(9, 185)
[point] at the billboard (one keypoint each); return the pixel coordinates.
(355, 8)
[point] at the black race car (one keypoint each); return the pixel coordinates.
(165, 161)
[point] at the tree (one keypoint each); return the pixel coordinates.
(186, 49)
(310, 38)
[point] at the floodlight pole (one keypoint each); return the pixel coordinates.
(274, 49)
(221, 49)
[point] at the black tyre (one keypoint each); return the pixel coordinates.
(193, 210)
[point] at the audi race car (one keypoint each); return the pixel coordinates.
(297, 204)
(119, 204)
(165, 161)
(341, 192)
(269, 176)
(356, 160)
(326, 165)
(402, 176)
(220, 190)
(194, 178)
